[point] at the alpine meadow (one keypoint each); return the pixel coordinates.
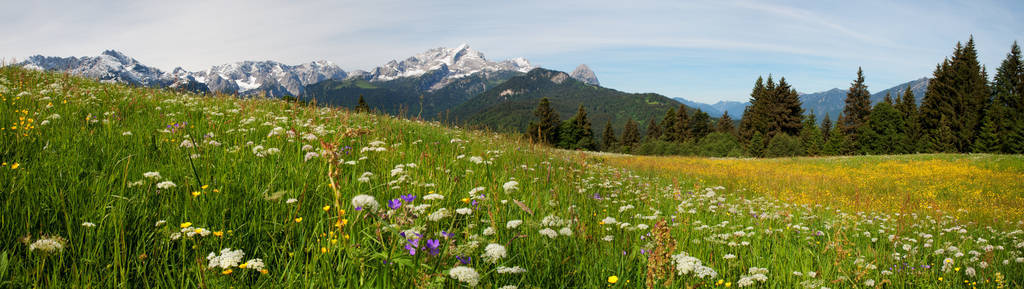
(651, 144)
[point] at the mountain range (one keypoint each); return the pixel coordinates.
(830, 102)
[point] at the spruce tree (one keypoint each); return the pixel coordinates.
(988, 138)
(576, 133)
(787, 109)
(857, 109)
(682, 124)
(630, 135)
(1015, 137)
(653, 131)
(958, 93)
(885, 131)
(836, 143)
(810, 136)
(670, 129)
(699, 125)
(907, 106)
(757, 144)
(753, 119)
(725, 124)
(826, 128)
(608, 140)
(362, 106)
(545, 129)
(942, 140)
(1008, 96)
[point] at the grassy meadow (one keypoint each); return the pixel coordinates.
(109, 186)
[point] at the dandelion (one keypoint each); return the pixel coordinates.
(613, 279)
(183, 225)
(465, 274)
(165, 185)
(326, 208)
(493, 253)
(298, 220)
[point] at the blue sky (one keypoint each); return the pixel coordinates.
(701, 50)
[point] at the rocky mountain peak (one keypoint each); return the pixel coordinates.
(584, 74)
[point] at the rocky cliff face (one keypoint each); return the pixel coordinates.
(584, 74)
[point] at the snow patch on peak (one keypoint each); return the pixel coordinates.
(457, 62)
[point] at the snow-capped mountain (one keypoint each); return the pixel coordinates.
(271, 77)
(110, 66)
(447, 64)
(584, 74)
(246, 77)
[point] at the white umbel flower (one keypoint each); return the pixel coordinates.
(47, 245)
(228, 258)
(513, 224)
(494, 252)
(152, 175)
(365, 201)
(165, 185)
(465, 274)
(511, 186)
(548, 232)
(510, 270)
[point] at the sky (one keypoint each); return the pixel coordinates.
(700, 50)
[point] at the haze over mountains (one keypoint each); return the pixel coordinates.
(440, 83)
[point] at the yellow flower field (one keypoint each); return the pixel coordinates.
(981, 188)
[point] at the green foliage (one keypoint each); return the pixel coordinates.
(884, 133)
(545, 129)
(362, 106)
(988, 140)
(756, 145)
(811, 137)
(671, 128)
(660, 147)
(608, 140)
(906, 104)
(630, 135)
(784, 145)
(576, 133)
(681, 126)
(959, 93)
(837, 143)
(653, 131)
(720, 144)
(774, 109)
(725, 124)
(857, 109)
(699, 125)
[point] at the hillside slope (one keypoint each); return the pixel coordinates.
(509, 106)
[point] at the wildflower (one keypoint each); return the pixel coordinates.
(489, 231)
(219, 233)
(464, 211)
(565, 231)
(161, 223)
(869, 283)
(408, 198)
(394, 204)
(152, 175)
(511, 186)
(183, 225)
(493, 253)
(196, 193)
(291, 201)
(465, 274)
(326, 208)
(411, 245)
(432, 245)
(88, 225)
(165, 185)
(548, 232)
(227, 272)
(510, 270)
(513, 224)
(364, 202)
(310, 155)
(48, 244)
(438, 215)
(298, 220)
(509, 287)
(228, 258)
(432, 196)
(613, 279)
(253, 264)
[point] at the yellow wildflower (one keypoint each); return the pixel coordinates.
(15, 166)
(612, 279)
(298, 220)
(196, 193)
(226, 272)
(186, 225)
(219, 233)
(327, 208)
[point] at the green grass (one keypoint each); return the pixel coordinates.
(83, 167)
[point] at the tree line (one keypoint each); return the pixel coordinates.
(961, 112)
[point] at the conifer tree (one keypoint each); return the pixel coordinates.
(608, 140)
(576, 133)
(884, 133)
(753, 119)
(810, 136)
(630, 135)
(653, 131)
(1008, 97)
(699, 125)
(959, 93)
(545, 130)
(836, 144)
(857, 109)
(725, 124)
(942, 139)
(988, 138)
(668, 124)
(682, 125)
(907, 106)
(362, 106)
(757, 144)
(826, 128)
(787, 109)
(1015, 137)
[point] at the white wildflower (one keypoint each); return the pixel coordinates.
(165, 185)
(493, 253)
(432, 197)
(513, 224)
(510, 270)
(88, 225)
(48, 245)
(464, 211)
(548, 232)
(152, 175)
(465, 274)
(365, 201)
(511, 186)
(291, 201)
(228, 258)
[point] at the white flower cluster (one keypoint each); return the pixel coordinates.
(494, 252)
(365, 201)
(511, 186)
(513, 224)
(438, 215)
(432, 197)
(375, 146)
(548, 232)
(685, 264)
(510, 270)
(755, 275)
(228, 258)
(165, 185)
(465, 274)
(47, 245)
